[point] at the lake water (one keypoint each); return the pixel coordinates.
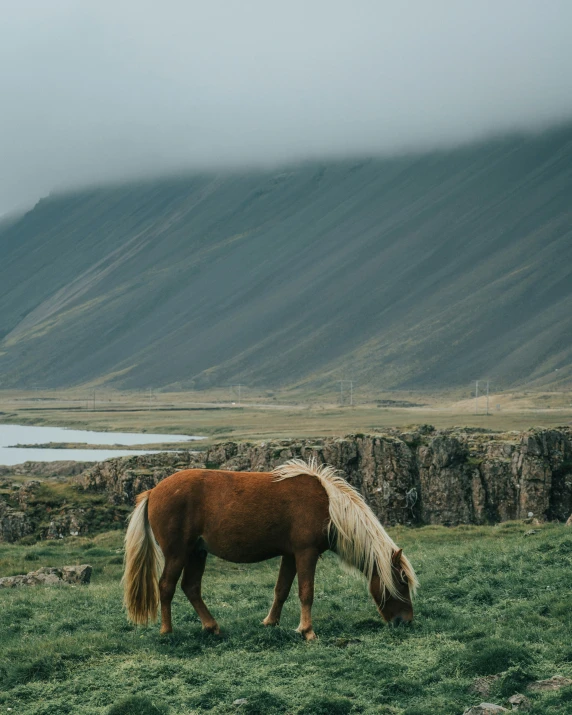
(24, 434)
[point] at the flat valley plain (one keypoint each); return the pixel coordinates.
(233, 414)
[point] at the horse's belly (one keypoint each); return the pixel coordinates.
(240, 552)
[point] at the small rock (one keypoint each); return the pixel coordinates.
(77, 574)
(519, 702)
(49, 576)
(569, 521)
(530, 532)
(485, 709)
(240, 701)
(554, 683)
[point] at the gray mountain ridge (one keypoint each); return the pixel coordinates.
(423, 272)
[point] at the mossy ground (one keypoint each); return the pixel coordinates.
(492, 602)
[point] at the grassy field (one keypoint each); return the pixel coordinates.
(262, 415)
(493, 602)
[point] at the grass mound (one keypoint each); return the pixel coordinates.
(489, 656)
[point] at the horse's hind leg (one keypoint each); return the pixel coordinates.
(281, 590)
(167, 586)
(306, 566)
(191, 585)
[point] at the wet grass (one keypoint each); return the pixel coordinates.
(493, 602)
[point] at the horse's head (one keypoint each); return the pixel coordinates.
(395, 607)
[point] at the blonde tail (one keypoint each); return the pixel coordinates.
(143, 563)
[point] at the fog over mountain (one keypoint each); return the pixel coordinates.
(95, 91)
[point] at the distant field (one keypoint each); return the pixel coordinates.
(493, 602)
(218, 416)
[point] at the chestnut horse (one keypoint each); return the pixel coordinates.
(298, 511)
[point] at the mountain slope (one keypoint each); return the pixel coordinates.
(420, 271)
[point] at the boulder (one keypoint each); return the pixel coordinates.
(50, 576)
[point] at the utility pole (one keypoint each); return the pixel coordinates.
(150, 393)
(94, 400)
(351, 384)
(487, 397)
(476, 397)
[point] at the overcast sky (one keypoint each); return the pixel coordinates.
(98, 90)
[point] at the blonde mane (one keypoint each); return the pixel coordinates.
(354, 531)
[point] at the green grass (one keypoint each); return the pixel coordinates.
(492, 602)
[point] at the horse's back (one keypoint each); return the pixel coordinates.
(241, 516)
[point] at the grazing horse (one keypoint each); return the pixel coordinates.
(298, 511)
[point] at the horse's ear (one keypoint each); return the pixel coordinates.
(396, 558)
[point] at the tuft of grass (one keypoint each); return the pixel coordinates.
(490, 656)
(514, 680)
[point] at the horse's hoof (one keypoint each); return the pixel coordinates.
(266, 622)
(215, 630)
(308, 635)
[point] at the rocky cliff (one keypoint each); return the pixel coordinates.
(424, 476)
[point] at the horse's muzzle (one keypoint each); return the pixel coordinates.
(399, 621)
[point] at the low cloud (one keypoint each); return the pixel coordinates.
(101, 91)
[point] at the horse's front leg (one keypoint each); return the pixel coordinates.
(282, 589)
(306, 567)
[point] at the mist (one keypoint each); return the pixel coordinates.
(103, 91)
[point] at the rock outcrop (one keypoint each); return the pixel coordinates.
(424, 476)
(14, 524)
(70, 523)
(49, 575)
(63, 468)
(125, 477)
